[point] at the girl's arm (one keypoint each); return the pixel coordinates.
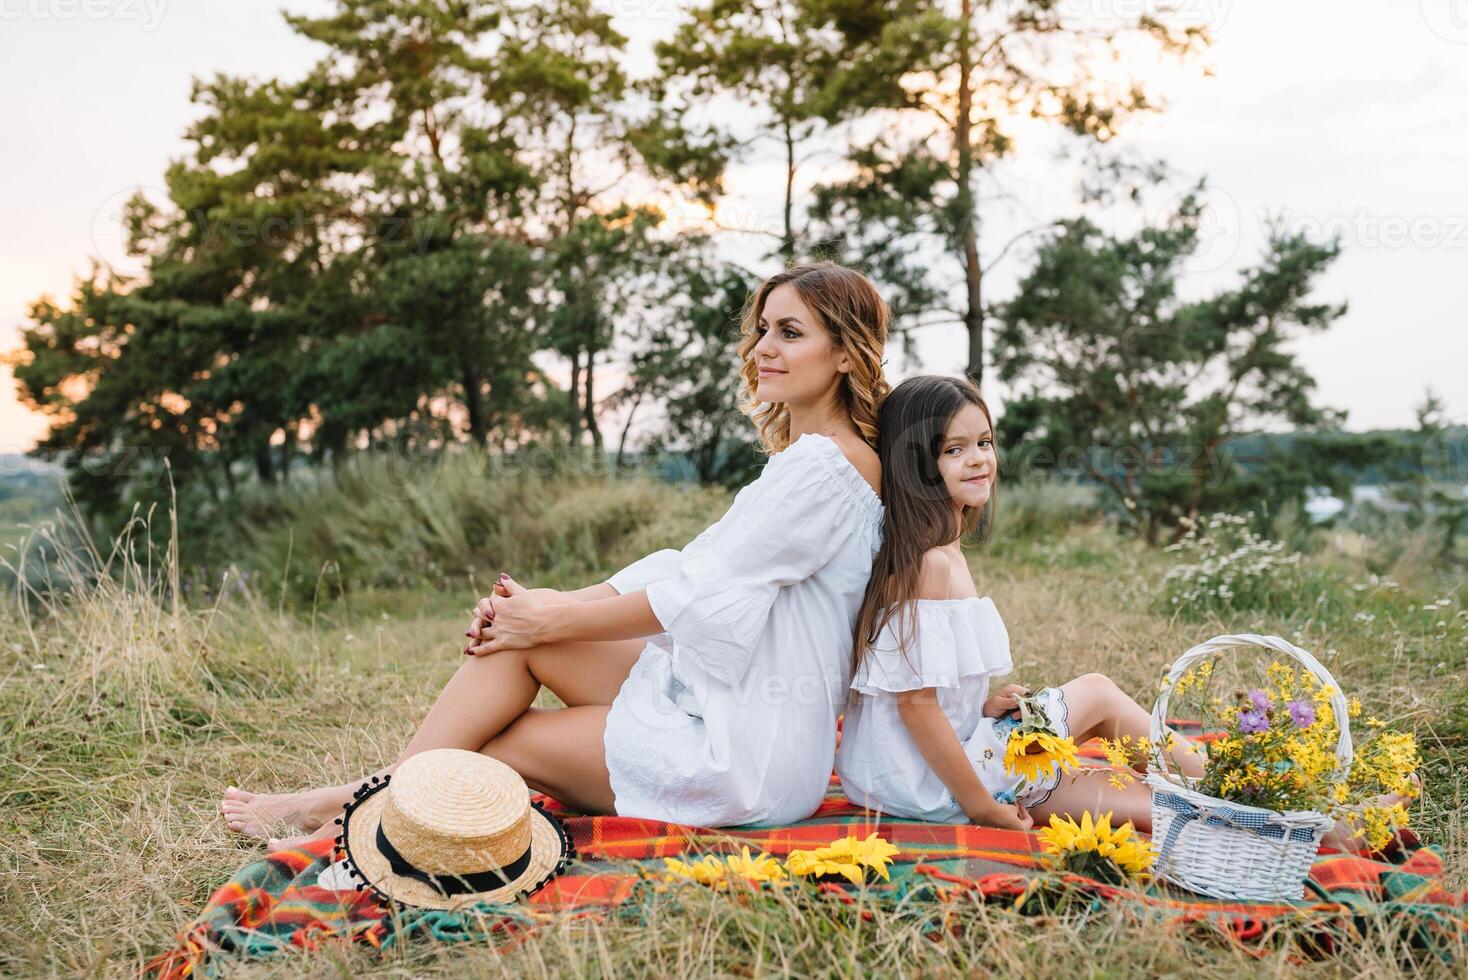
(941, 749)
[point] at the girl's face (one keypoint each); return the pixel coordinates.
(797, 360)
(967, 459)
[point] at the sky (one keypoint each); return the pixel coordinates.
(1332, 117)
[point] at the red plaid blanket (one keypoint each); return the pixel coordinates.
(275, 903)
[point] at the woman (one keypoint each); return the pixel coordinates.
(727, 714)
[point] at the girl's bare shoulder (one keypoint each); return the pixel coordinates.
(936, 577)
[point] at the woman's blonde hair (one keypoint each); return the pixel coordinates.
(854, 314)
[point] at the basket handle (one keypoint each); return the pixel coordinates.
(1343, 750)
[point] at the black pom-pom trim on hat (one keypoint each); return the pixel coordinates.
(563, 859)
(367, 789)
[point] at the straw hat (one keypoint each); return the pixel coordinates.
(449, 829)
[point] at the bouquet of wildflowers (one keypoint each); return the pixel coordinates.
(1277, 752)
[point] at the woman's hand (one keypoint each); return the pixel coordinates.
(1005, 816)
(484, 610)
(1006, 700)
(517, 619)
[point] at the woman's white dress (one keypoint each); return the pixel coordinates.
(729, 716)
(955, 646)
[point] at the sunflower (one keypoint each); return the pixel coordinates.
(760, 868)
(719, 873)
(848, 857)
(1031, 752)
(708, 870)
(1088, 848)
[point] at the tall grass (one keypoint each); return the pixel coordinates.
(128, 703)
(382, 521)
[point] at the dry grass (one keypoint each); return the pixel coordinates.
(124, 716)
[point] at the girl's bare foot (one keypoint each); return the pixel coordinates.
(1348, 834)
(261, 814)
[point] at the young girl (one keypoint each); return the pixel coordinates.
(924, 735)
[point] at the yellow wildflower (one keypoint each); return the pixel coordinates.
(1116, 752)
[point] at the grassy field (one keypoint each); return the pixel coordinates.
(128, 704)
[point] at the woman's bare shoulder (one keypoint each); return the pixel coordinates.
(863, 457)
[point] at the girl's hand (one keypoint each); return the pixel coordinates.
(514, 621)
(1006, 700)
(1006, 816)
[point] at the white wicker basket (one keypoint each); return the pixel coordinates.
(1231, 850)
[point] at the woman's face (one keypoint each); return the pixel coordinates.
(798, 361)
(967, 459)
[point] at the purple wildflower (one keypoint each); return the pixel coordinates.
(1260, 699)
(1302, 713)
(1253, 722)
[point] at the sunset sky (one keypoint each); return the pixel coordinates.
(1333, 116)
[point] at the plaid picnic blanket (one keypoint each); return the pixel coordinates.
(274, 903)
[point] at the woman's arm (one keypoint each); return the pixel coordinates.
(600, 590)
(523, 619)
(941, 749)
(484, 611)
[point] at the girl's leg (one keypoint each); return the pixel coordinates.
(485, 696)
(558, 751)
(1089, 791)
(1098, 708)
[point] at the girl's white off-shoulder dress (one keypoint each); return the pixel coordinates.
(729, 717)
(956, 646)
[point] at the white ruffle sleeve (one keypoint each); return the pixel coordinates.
(659, 564)
(779, 530)
(949, 639)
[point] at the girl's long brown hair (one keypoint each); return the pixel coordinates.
(919, 509)
(854, 314)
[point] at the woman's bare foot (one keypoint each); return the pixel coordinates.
(326, 831)
(261, 814)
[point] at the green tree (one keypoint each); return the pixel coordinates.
(772, 56)
(1420, 479)
(685, 361)
(1139, 390)
(949, 81)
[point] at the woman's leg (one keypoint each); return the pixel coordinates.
(485, 696)
(1097, 708)
(557, 751)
